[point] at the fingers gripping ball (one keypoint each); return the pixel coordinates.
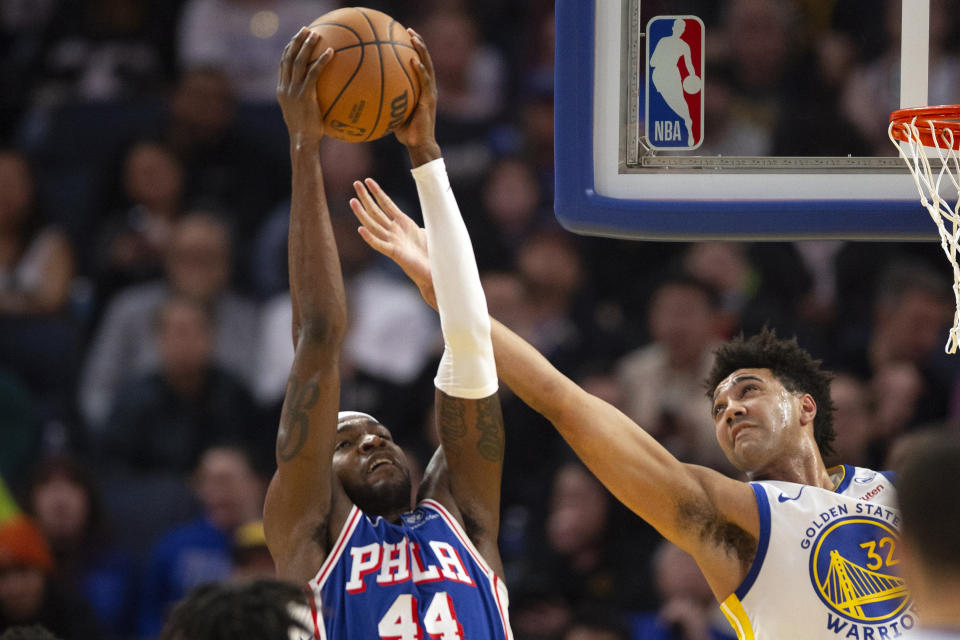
(369, 88)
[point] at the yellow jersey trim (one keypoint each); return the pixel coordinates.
(737, 617)
(843, 474)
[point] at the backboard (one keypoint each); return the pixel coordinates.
(795, 105)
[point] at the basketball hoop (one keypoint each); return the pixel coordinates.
(921, 134)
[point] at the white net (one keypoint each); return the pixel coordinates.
(929, 178)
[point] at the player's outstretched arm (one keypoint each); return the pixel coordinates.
(699, 509)
(298, 501)
(465, 473)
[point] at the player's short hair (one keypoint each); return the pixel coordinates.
(791, 365)
(930, 519)
(260, 610)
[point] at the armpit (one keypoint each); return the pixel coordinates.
(716, 530)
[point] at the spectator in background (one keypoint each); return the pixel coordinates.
(198, 552)
(511, 213)
(36, 261)
(551, 272)
(196, 265)
(29, 594)
(470, 72)
(268, 265)
(391, 335)
(102, 50)
(134, 239)
(853, 422)
(760, 284)
(596, 624)
(244, 38)
(225, 166)
(873, 90)
(66, 504)
(688, 609)
(251, 558)
(22, 27)
(753, 51)
(591, 556)
(910, 380)
(20, 426)
(662, 382)
(37, 332)
(931, 528)
(163, 420)
(471, 75)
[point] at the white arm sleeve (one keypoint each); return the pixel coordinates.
(467, 369)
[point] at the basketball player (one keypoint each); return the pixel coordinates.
(801, 552)
(338, 514)
(931, 531)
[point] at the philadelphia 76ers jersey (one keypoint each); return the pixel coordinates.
(417, 579)
(826, 563)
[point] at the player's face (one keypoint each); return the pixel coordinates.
(371, 467)
(756, 418)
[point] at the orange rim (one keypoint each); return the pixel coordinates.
(943, 118)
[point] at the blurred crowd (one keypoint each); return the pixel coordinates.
(145, 318)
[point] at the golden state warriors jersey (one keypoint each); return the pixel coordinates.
(416, 579)
(826, 563)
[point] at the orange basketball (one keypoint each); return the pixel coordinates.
(369, 88)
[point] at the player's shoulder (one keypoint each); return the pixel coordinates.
(862, 483)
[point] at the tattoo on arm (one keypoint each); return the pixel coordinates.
(490, 424)
(453, 425)
(296, 427)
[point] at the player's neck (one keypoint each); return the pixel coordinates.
(802, 466)
(939, 609)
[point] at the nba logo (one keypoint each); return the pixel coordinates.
(674, 108)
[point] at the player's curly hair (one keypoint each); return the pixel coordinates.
(791, 365)
(32, 632)
(259, 610)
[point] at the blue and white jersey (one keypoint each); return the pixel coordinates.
(420, 578)
(826, 563)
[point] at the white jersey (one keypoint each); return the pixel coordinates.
(936, 634)
(825, 564)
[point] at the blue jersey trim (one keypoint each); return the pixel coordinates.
(891, 476)
(763, 541)
(848, 473)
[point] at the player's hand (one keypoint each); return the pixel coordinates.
(418, 133)
(297, 85)
(391, 232)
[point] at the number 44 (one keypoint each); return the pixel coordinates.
(401, 622)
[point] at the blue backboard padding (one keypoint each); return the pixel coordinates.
(580, 209)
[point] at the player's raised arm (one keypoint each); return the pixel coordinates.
(465, 474)
(709, 515)
(298, 502)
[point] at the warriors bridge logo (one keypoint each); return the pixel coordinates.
(853, 568)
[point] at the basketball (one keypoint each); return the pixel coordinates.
(369, 88)
(692, 84)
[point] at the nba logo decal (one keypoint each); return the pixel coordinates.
(674, 109)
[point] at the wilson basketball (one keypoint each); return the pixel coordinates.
(369, 88)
